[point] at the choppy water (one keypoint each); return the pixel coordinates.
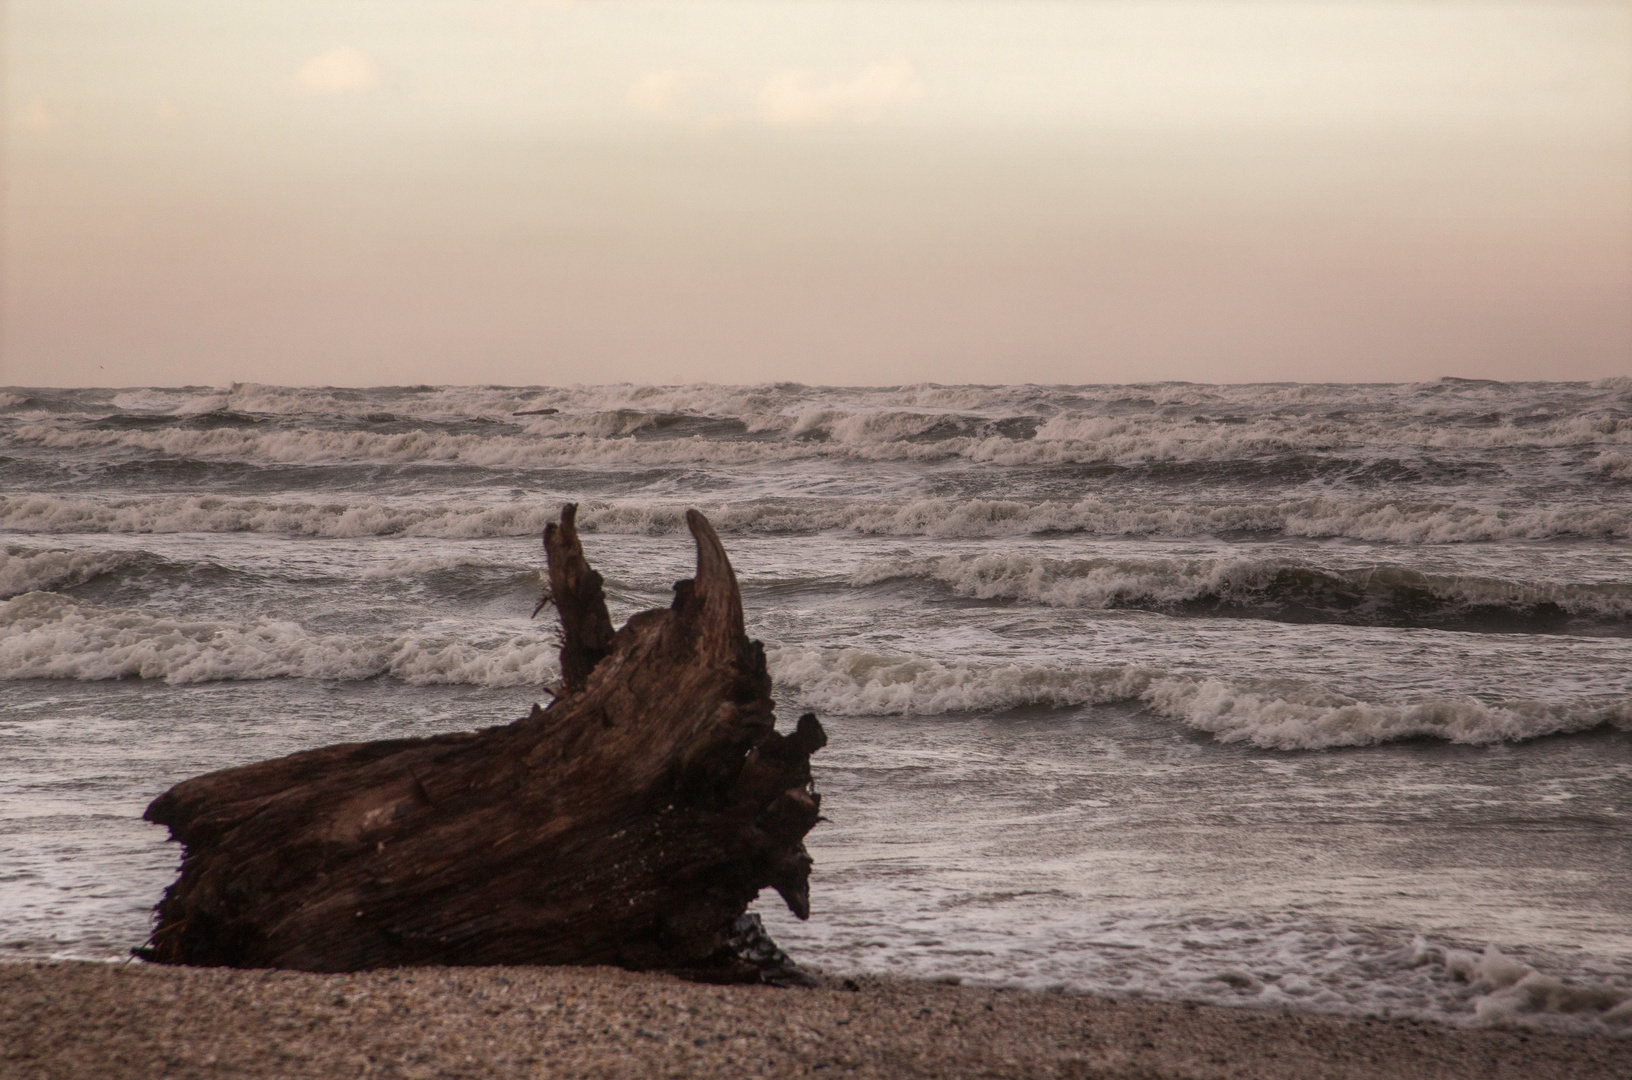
(1270, 695)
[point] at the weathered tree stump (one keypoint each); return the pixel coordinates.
(630, 823)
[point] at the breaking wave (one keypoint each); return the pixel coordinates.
(1278, 433)
(22, 570)
(1613, 465)
(1285, 716)
(1378, 595)
(1444, 398)
(647, 439)
(1378, 520)
(292, 517)
(48, 636)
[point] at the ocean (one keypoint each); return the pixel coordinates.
(1278, 696)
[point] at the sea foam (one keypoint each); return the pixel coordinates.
(1284, 716)
(869, 436)
(23, 570)
(1377, 520)
(1374, 593)
(1507, 991)
(48, 636)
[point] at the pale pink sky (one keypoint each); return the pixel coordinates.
(867, 192)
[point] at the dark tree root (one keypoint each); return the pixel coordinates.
(630, 823)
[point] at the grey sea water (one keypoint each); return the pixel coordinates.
(1280, 696)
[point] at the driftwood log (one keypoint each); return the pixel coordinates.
(630, 823)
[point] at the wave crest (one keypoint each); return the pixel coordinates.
(23, 571)
(1269, 587)
(48, 636)
(1354, 518)
(1282, 716)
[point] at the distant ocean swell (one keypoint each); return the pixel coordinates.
(1397, 521)
(46, 635)
(621, 438)
(1432, 399)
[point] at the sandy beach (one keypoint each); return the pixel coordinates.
(70, 1020)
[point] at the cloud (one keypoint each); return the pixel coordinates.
(38, 117)
(343, 71)
(791, 99)
(662, 92)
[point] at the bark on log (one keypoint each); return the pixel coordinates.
(630, 823)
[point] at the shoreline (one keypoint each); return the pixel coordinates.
(71, 1019)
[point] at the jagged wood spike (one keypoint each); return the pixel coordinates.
(719, 615)
(576, 591)
(629, 823)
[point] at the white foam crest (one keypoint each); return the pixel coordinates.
(454, 401)
(608, 436)
(11, 401)
(696, 399)
(859, 682)
(327, 447)
(1086, 583)
(1283, 715)
(1085, 437)
(1610, 463)
(335, 520)
(48, 636)
(1308, 717)
(1361, 519)
(1081, 437)
(876, 427)
(1394, 522)
(1106, 583)
(813, 420)
(24, 571)
(1043, 939)
(1608, 600)
(1315, 403)
(1506, 991)
(152, 400)
(782, 405)
(450, 401)
(614, 424)
(1006, 400)
(921, 517)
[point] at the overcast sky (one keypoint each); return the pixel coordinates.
(877, 191)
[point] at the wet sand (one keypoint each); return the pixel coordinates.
(71, 1020)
